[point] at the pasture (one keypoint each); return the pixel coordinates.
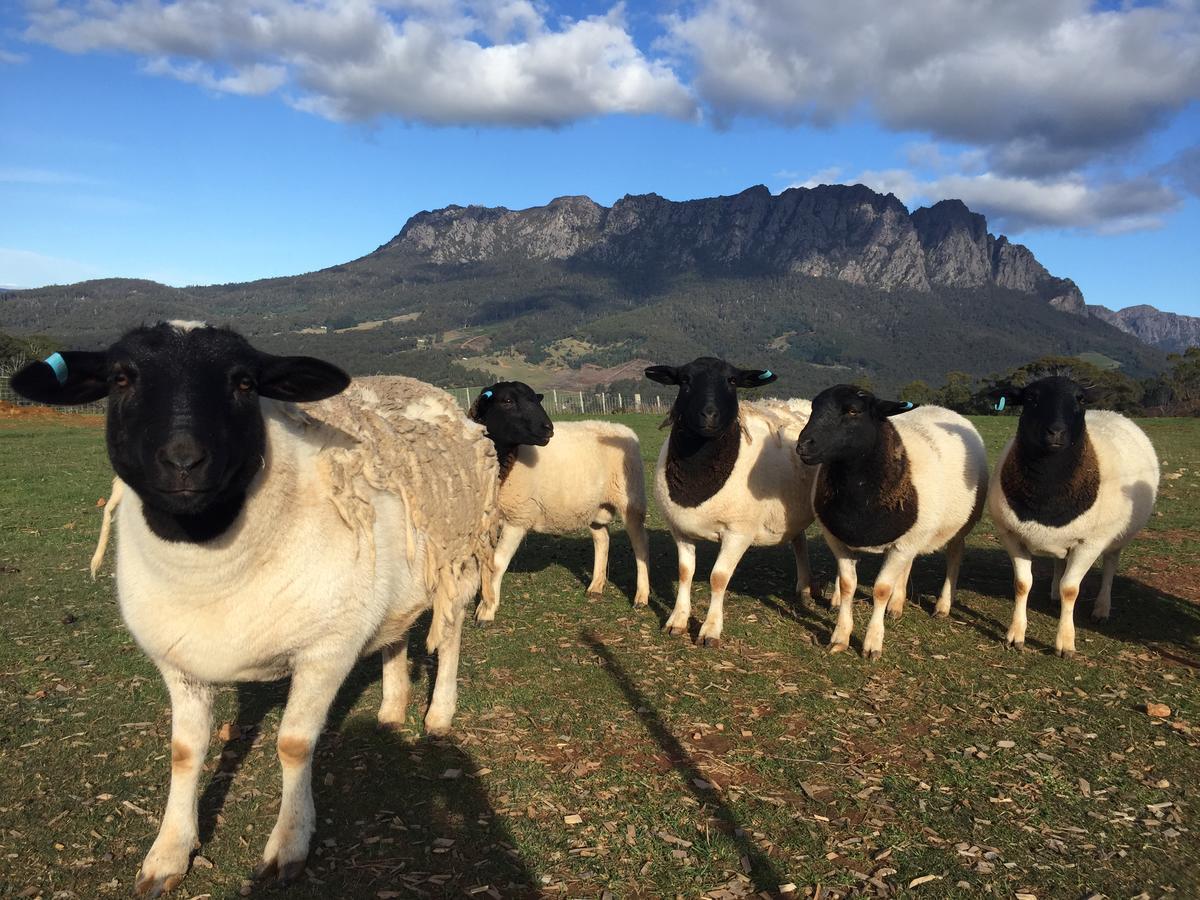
(594, 756)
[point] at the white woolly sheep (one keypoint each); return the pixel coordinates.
(257, 540)
(728, 473)
(558, 480)
(894, 482)
(1073, 485)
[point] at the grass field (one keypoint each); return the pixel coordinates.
(949, 768)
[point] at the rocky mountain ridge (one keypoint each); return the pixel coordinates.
(850, 233)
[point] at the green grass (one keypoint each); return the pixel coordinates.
(812, 769)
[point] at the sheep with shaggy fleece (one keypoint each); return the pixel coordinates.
(561, 479)
(1073, 484)
(728, 473)
(893, 480)
(257, 540)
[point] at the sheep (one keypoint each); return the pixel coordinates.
(588, 472)
(258, 540)
(896, 480)
(727, 473)
(1072, 484)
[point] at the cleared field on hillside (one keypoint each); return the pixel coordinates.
(765, 763)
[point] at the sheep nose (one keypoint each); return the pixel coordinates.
(1056, 435)
(804, 445)
(182, 452)
(548, 429)
(709, 414)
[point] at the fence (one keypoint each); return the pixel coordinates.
(556, 402)
(588, 403)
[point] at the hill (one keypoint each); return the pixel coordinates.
(834, 282)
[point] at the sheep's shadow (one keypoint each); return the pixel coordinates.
(413, 813)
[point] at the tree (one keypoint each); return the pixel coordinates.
(917, 392)
(956, 393)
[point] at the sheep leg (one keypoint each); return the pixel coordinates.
(1060, 566)
(315, 682)
(895, 607)
(445, 688)
(1104, 599)
(396, 685)
(847, 581)
(678, 622)
(506, 548)
(805, 590)
(191, 725)
(733, 547)
(954, 558)
(599, 561)
(894, 567)
(1022, 564)
(1079, 560)
(635, 525)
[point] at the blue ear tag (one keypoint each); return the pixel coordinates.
(908, 404)
(765, 374)
(56, 362)
(487, 393)
(1000, 405)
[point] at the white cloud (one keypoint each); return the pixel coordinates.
(26, 175)
(444, 62)
(11, 57)
(1016, 204)
(25, 268)
(1044, 85)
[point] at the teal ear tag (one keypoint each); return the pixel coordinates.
(56, 362)
(908, 404)
(487, 393)
(765, 374)
(1000, 405)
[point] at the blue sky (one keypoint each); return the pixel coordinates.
(200, 142)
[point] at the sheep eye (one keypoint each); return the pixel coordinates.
(122, 380)
(245, 384)
(853, 412)
(733, 381)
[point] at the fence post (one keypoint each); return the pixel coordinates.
(603, 405)
(554, 394)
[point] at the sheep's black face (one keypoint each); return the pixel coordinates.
(184, 426)
(512, 413)
(707, 403)
(1052, 413)
(844, 424)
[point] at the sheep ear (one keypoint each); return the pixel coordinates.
(1092, 394)
(540, 397)
(479, 407)
(887, 408)
(300, 379)
(663, 374)
(64, 379)
(751, 378)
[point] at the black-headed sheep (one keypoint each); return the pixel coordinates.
(894, 480)
(559, 479)
(257, 540)
(1072, 484)
(728, 473)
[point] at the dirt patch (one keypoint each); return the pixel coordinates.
(1169, 576)
(44, 413)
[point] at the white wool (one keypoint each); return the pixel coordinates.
(588, 472)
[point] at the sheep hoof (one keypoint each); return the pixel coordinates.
(1099, 617)
(1019, 646)
(284, 875)
(155, 887)
(895, 612)
(676, 630)
(483, 623)
(640, 603)
(713, 642)
(838, 647)
(388, 727)
(872, 655)
(941, 613)
(1066, 653)
(595, 595)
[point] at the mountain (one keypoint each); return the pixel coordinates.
(1166, 330)
(828, 283)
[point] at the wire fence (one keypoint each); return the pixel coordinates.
(556, 402)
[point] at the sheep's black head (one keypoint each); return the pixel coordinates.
(844, 424)
(512, 414)
(184, 428)
(1052, 412)
(707, 403)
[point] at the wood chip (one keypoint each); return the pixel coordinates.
(573, 819)
(1158, 710)
(924, 879)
